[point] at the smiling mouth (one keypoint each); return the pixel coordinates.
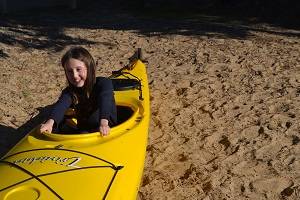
(77, 81)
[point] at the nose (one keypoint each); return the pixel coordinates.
(75, 74)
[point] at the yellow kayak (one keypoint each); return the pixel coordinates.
(85, 166)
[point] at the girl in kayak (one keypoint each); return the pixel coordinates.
(92, 98)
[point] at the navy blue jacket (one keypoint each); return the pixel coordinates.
(101, 105)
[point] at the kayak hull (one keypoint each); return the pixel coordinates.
(83, 166)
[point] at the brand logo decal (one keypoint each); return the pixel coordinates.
(68, 162)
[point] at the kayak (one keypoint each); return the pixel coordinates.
(85, 166)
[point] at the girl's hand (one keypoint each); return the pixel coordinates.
(47, 126)
(104, 128)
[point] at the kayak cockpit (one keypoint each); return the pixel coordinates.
(130, 116)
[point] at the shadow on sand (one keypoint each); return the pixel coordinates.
(44, 29)
(10, 136)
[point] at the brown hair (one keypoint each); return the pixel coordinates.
(84, 56)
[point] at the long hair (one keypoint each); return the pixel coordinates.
(84, 56)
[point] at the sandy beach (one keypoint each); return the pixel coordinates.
(225, 96)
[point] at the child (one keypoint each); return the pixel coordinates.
(91, 97)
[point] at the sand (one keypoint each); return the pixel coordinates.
(224, 96)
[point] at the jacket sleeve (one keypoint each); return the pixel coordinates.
(59, 108)
(105, 99)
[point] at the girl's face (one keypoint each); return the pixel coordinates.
(76, 72)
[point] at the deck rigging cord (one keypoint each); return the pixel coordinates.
(36, 177)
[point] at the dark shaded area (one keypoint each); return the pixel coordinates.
(10, 136)
(2, 54)
(225, 142)
(295, 140)
(125, 84)
(287, 192)
(124, 113)
(282, 13)
(44, 29)
(29, 33)
(18, 5)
